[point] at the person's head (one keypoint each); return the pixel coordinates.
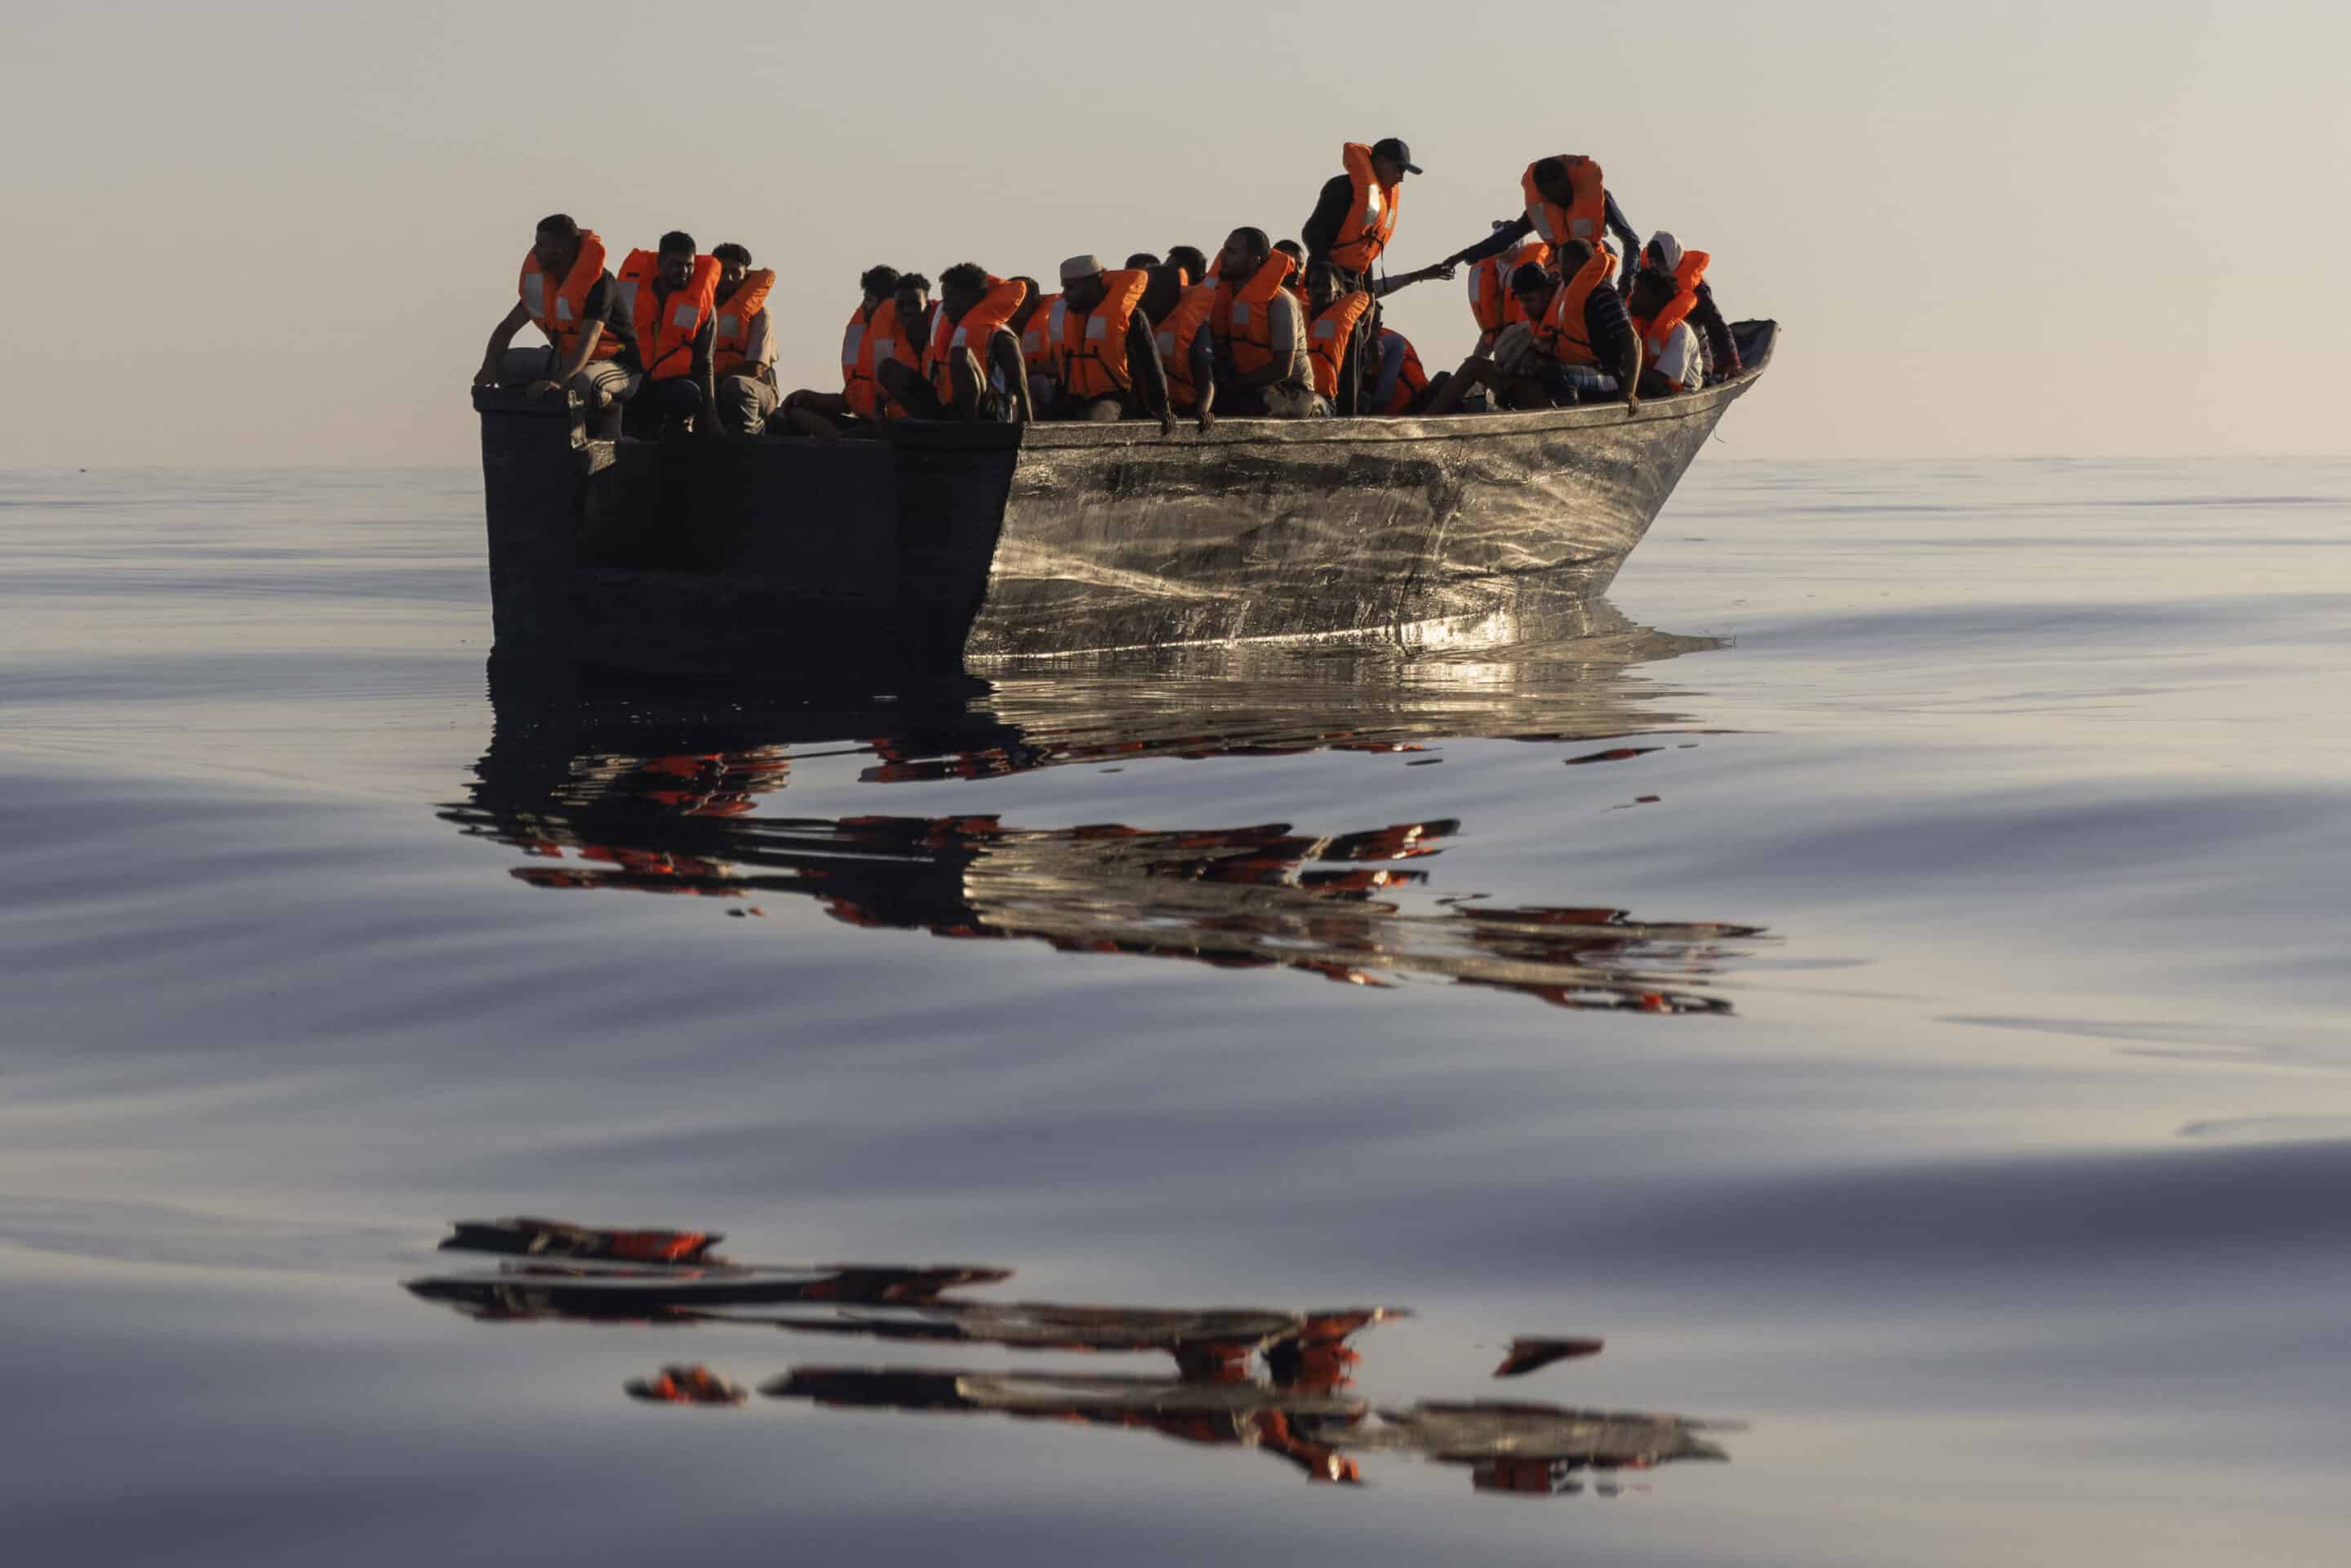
(1030, 303)
(1662, 254)
(1322, 283)
(1160, 295)
(912, 294)
(733, 264)
(676, 257)
(1392, 160)
(1572, 257)
(1532, 286)
(1142, 261)
(1652, 292)
(1081, 282)
(1293, 250)
(961, 286)
(1245, 251)
(1551, 179)
(879, 284)
(556, 243)
(1189, 258)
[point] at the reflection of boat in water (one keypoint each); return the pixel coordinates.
(1002, 540)
(671, 799)
(1275, 1381)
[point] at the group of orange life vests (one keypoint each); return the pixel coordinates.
(665, 325)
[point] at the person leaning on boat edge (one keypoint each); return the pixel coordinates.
(566, 290)
(743, 355)
(1575, 346)
(1103, 347)
(1178, 303)
(971, 365)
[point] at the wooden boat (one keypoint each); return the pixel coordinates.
(941, 544)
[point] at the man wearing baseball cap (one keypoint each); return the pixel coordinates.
(1352, 222)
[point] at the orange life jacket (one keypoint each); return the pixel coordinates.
(1691, 272)
(1326, 340)
(1410, 380)
(1490, 299)
(1562, 332)
(1239, 319)
(1036, 339)
(894, 339)
(665, 325)
(559, 313)
(1654, 329)
(858, 388)
(1175, 334)
(1092, 344)
(979, 323)
(1584, 217)
(736, 313)
(1364, 232)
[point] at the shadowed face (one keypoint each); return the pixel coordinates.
(959, 298)
(1242, 255)
(1321, 287)
(676, 267)
(1534, 301)
(1083, 293)
(912, 303)
(1387, 170)
(556, 253)
(731, 274)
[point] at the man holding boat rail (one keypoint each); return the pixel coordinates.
(742, 357)
(593, 345)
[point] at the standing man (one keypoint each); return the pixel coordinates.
(592, 347)
(743, 356)
(1103, 348)
(1565, 199)
(671, 297)
(1352, 220)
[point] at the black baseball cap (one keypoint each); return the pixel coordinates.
(1393, 147)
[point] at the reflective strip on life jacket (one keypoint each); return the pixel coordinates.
(1176, 329)
(666, 325)
(1371, 220)
(857, 344)
(1562, 332)
(1410, 380)
(1239, 318)
(1042, 332)
(1093, 355)
(996, 308)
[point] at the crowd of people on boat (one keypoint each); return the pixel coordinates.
(1570, 306)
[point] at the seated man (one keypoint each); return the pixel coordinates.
(591, 344)
(971, 366)
(1687, 269)
(1192, 260)
(743, 357)
(1399, 384)
(1033, 323)
(1259, 331)
(672, 296)
(1179, 307)
(1333, 316)
(1103, 347)
(826, 414)
(910, 333)
(1671, 359)
(1576, 344)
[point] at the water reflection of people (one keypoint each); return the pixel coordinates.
(1263, 1380)
(643, 800)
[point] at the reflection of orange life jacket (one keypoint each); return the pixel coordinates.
(1035, 340)
(1562, 332)
(858, 389)
(1092, 344)
(1326, 340)
(1175, 332)
(1239, 319)
(1410, 380)
(666, 324)
(558, 314)
(735, 314)
(1584, 215)
(978, 325)
(1490, 299)
(1363, 233)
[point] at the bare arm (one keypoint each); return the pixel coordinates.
(502, 338)
(1204, 375)
(1003, 355)
(591, 334)
(1289, 329)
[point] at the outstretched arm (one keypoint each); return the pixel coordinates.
(1504, 236)
(1623, 230)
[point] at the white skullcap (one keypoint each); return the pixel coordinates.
(1078, 267)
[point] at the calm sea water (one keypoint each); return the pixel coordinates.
(1883, 975)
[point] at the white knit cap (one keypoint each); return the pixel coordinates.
(1078, 267)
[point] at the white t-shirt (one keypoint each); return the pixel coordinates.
(1682, 361)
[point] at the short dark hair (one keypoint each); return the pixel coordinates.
(912, 280)
(965, 275)
(1549, 170)
(1528, 279)
(1291, 248)
(1142, 260)
(678, 240)
(727, 250)
(559, 224)
(1190, 259)
(878, 279)
(1572, 255)
(1256, 239)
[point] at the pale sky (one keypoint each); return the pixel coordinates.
(255, 233)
